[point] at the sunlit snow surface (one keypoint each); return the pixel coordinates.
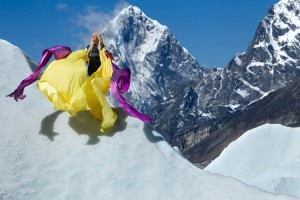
(267, 157)
(46, 154)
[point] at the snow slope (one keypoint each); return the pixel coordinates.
(45, 154)
(267, 157)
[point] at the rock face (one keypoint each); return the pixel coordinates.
(270, 62)
(157, 61)
(193, 105)
(279, 107)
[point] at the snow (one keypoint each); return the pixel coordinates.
(154, 32)
(267, 157)
(237, 60)
(285, 16)
(46, 154)
(207, 115)
(234, 106)
(242, 93)
(253, 87)
(254, 64)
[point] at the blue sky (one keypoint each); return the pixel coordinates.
(212, 31)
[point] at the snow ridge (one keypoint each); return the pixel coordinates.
(46, 154)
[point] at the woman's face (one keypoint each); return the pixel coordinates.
(95, 39)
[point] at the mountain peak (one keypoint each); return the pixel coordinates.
(154, 55)
(271, 61)
(132, 10)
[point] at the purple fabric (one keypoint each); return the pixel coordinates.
(120, 80)
(119, 84)
(59, 53)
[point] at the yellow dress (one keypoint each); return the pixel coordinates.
(65, 85)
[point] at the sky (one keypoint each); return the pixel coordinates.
(212, 31)
(46, 154)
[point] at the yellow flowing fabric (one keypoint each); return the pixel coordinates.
(65, 85)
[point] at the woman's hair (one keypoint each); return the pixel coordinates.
(100, 43)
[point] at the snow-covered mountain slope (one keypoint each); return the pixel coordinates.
(271, 61)
(267, 157)
(46, 154)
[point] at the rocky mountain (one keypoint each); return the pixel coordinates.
(157, 61)
(270, 62)
(281, 106)
(190, 102)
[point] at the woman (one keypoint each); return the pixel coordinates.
(93, 52)
(65, 85)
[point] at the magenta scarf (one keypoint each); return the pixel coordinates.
(120, 80)
(119, 84)
(59, 53)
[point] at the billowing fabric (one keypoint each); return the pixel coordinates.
(97, 86)
(63, 83)
(59, 52)
(66, 85)
(120, 83)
